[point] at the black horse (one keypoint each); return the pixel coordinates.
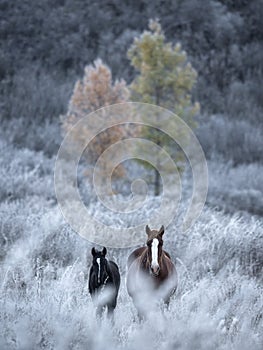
(104, 281)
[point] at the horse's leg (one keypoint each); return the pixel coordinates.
(165, 307)
(111, 307)
(99, 311)
(141, 316)
(167, 302)
(140, 312)
(110, 314)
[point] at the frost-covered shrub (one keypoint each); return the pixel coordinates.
(223, 242)
(217, 304)
(18, 218)
(26, 192)
(24, 173)
(11, 225)
(244, 99)
(235, 140)
(55, 249)
(35, 94)
(23, 133)
(44, 300)
(236, 188)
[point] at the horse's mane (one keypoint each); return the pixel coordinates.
(143, 257)
(113, 263)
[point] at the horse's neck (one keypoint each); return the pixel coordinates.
(162, 258)
(166, 263)
(108, 270)
(144, 259)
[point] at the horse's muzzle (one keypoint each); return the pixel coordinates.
(155, 270)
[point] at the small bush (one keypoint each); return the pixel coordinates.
(23, 133)
(35, 95)
(238, 141)
(236, 188)
(24, 173)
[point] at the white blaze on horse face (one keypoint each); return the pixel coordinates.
(154, 264)
(98, 262)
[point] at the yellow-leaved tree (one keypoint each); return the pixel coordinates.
(164, 78)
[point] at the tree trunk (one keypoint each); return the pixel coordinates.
(157, 182)
(157, 177)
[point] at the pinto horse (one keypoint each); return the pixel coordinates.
(152, 276)
(104, 281)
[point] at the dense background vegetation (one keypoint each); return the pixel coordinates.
(56, 39)
(45, 46)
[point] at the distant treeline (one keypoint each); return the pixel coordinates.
(224, 40)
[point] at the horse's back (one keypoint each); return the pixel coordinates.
(115, 272)
(167, 254)
(112, 263)
(134, 255)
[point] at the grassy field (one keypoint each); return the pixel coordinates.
(44, 301)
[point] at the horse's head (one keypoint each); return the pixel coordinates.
(154, 244)
(100, 264)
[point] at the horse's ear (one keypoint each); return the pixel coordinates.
(104, 251)
(147, 229)
(161, 231)
(93, 251)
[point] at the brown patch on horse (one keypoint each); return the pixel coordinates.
(134, 255)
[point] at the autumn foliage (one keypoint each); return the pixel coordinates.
(95, 90)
